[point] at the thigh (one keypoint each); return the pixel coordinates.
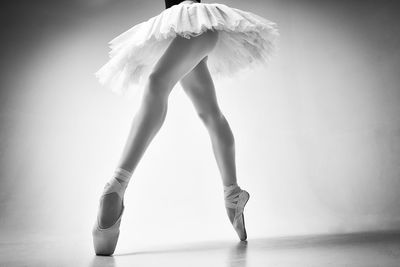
(182, 55)
(199, 87)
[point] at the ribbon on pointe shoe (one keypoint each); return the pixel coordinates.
(118, 183)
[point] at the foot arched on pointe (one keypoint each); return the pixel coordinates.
(105, 238)
(235, 201)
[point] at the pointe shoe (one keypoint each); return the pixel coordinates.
(238, 201)
(105, 239)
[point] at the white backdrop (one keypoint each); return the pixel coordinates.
(317, 132)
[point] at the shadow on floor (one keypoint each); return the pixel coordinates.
(235, 254)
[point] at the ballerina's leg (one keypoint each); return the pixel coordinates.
(181, 56)
(199, 87)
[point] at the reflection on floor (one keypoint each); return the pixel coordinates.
(358, 249)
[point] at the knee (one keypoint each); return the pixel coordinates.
(158, 84)
(211, 118)
(216, 122)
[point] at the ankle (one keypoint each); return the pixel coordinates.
(231, 191)
(230, 187)
(119, 182)
(122, 176)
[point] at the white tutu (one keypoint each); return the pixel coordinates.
(245, 40)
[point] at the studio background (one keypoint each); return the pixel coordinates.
(317, 132)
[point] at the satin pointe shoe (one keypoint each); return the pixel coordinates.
(105, 239)
(237, 201)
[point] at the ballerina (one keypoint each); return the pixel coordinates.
(188, 42)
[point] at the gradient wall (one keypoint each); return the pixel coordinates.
(317, 132)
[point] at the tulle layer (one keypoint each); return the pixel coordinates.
(245, 40)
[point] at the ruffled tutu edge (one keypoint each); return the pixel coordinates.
(246, 40)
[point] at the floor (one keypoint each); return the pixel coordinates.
(358, 249)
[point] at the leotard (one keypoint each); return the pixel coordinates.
(169, 3)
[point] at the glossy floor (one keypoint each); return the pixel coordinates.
(359, 249)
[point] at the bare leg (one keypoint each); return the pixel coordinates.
(199, 86)
(180, 58)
